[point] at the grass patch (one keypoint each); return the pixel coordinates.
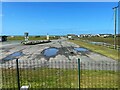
(60, 78)
(99, 49)
(102, 39)
(99, 79)
(32, 38)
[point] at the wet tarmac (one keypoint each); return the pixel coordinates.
(50, 52)
(81, 49)
(56, 54)
(12, 56)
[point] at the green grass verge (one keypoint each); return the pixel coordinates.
(32, 38)
(60, 78)
(102, 39)
(99, 49)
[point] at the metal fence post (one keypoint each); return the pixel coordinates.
(17, 69)
(79, 72)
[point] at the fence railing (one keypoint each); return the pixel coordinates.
(60, 74)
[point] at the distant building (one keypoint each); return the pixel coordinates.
(78, 35)
(105, 35)
(3, 38)
(95, 35)
(86, 35)
(71, 36)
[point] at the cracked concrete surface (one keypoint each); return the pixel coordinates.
(65, 58)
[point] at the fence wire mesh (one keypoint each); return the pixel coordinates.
(60, 74)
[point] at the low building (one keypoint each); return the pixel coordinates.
(86, 35)
(105, 35)
(71, 36)
(3, 38)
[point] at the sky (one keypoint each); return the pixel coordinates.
(57, 18)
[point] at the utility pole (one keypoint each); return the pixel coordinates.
(115, 16)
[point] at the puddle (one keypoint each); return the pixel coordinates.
(99, 43)
(13, 56)
(50, 52)
(81, 49)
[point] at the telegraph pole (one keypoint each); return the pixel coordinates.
(115, 16)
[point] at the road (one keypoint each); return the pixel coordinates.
(66, 57)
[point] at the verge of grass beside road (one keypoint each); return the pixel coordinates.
(99, 49)
(102, 39)
(32, 38)
(60, 78)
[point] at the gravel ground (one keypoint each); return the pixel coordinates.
(66, 57)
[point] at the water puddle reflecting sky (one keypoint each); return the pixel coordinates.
(81, 49)
(13, 56)
(50, 52)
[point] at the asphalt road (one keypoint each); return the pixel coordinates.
(32, 56)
